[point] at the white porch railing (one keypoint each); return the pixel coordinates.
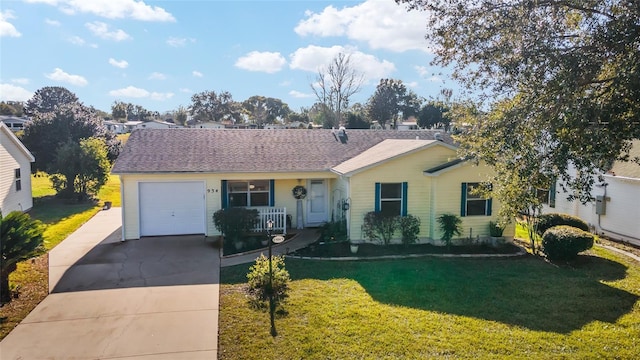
(277, 215)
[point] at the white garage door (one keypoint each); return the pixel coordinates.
(172, 208)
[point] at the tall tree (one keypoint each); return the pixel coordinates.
(70, 122)
(209, 106)
(390, 100)
(180, 116)
(434, 114)
(20, 239)
(49, 98)
(119, 111)
(265, 110)
(571, 70)
(336, 84)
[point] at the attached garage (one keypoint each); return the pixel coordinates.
(172, 208)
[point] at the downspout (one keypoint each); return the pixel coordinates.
(609, 231)
(122, 207)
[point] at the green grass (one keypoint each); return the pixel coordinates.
(62, 218)
(431, 307)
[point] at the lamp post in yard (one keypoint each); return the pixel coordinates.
(270, 289)
(272, 239)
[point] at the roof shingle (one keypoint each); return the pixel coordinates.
(240, 150)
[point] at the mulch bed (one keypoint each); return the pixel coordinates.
(342, 249)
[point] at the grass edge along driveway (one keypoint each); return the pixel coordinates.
(431, 307)
(60, 220)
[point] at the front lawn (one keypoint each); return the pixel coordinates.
(432, 307)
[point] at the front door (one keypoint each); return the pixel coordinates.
(317, 202)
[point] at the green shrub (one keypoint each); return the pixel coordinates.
(234, 222)
(565, 242)
(545, 222)
(258, 279)
(410, 228)
(334, 231)
(379, 227)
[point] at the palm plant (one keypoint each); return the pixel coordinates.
(21, 239)
(450, 225)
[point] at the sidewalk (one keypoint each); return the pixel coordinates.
(303, 238)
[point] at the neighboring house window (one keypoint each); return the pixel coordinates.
(547, 196)
(239, 193)
(391, 198)
(18, 180)
(473, 204)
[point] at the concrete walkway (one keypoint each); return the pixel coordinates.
(302, 239)
(154, 298)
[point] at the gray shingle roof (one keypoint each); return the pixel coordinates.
(240, 150)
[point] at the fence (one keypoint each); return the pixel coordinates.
(277, 215)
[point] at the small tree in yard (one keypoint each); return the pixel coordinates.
(83, 168)
(450, 225)
(258, 279)
(21, 239)
(235, 222)
(410, 228)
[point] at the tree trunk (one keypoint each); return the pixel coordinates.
(5, 294)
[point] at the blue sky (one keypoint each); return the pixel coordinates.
(159, 53)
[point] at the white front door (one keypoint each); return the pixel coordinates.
(317, 203)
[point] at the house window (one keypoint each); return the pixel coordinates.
(248, 193)
(547, 196)
(473, 204)
(391, 198)
(18, 180)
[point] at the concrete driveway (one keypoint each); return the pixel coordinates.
(154, 298)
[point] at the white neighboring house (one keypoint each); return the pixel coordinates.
(209, 125)
(15, 173)
(115, 126)
(14, 123)
(616, 211)
(157, 124)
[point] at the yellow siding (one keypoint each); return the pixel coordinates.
(448, 196)
(408, 169)
(284, 183)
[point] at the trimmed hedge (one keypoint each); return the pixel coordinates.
(545, 222)
(565, 242)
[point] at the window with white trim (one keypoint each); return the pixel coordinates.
(18, 179)
(248, 193)
(474, 204)
(391, 198)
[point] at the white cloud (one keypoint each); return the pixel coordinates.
(7, 28)
(76, 40)
(197, 73)
(111, 9)
(298, 94)
(61, 76)
(179, 42)
(157, 76)
(101, 30)
(52, 22)
(269, 62)
(9, 92)
(380, 24)
(435, 78)
(21, 81)
(185, 90)
(422, 70)
(312, 58)
(122, 64)
(412, 84)
(134, 92)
